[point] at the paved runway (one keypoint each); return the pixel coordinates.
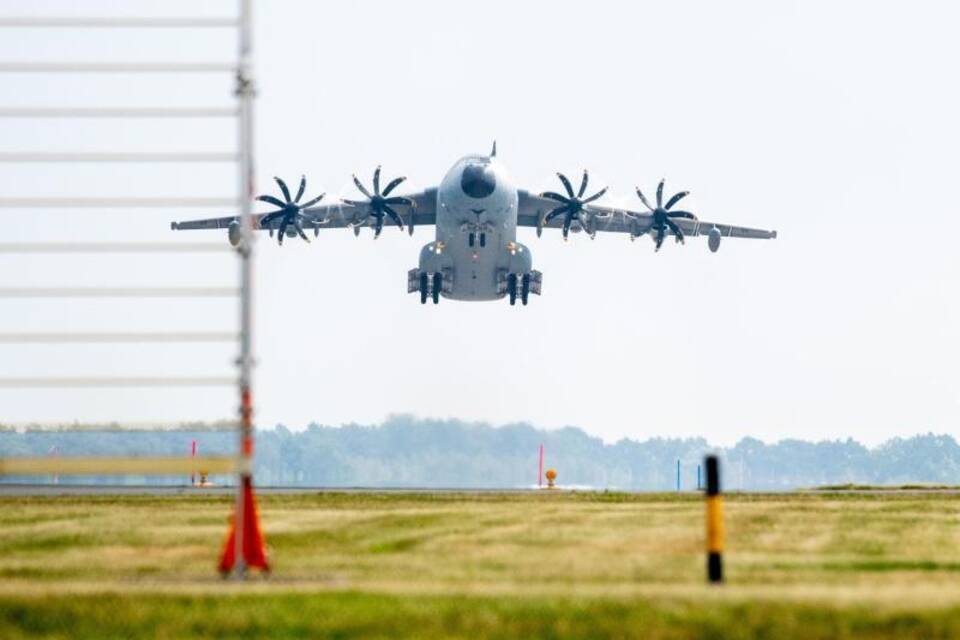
(185, 490)
(13, 490)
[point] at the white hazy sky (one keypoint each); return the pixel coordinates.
(834, 123)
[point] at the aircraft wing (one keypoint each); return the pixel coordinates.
(336, 215)
(532, 208)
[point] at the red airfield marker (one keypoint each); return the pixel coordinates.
(193, 454)
(540, 469)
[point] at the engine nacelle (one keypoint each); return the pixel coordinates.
(713, 239)
(235, 233)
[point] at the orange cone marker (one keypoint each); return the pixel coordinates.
(254, 554)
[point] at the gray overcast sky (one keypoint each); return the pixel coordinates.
(834, 123)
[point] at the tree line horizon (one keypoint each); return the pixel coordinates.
(406, 451)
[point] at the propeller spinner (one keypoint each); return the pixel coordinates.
(290, 212)
(662, 215)
(379, 205)
(572, 206)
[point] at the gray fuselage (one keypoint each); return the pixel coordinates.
(476, 242)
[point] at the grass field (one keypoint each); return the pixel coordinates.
(552, 565)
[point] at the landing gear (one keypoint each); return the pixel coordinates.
(424, 279)
(429, 285)
(519, 284)
(437, 286)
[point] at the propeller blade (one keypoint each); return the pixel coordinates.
(376, 180)
(310, 203)
(583, 184)
(362, 188)
(567, 221)
(566, 184)
(677, 231)
(643, 199)
(392, 185)
(282, 231)
(399, 200)
(661, 234)
(299, 228)
(283, 187)
(270, 217)
(660, 194)
(596, 196)
(553, 214)
(272, 200)
(303, 186)
(682, 214)
(378, 227)
(675, 199)
(394, 216)
(555, 196)
(354, 203)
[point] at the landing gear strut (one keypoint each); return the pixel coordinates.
(437, 286)
(512, 288)
(423, 288)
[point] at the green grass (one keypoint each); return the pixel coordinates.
(886, 487)
(554, 565)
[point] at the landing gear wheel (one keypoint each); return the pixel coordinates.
(437, 286)
(423, 288)
(512, 288)
(525, 289)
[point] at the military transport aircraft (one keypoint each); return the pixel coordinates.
(476, 211)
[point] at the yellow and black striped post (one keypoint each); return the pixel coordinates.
(714, 522)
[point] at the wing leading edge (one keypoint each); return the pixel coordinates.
(421, 211)
(532, 209)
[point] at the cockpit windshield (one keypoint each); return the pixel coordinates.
(478, 180)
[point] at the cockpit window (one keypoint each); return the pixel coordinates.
(478, 181)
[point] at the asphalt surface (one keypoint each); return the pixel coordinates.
(184, 490)
(13, 490)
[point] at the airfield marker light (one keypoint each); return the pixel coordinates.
(551, 478)
(714, 522)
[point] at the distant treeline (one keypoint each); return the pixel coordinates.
(409, 452)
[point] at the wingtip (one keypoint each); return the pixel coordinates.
(173, 226)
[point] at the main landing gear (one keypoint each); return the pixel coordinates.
(522, 288)
(521, 285)
(430, 287)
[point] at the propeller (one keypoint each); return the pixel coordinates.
(572, 206)
(662, 215)
(290, 212)
(379, 204)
